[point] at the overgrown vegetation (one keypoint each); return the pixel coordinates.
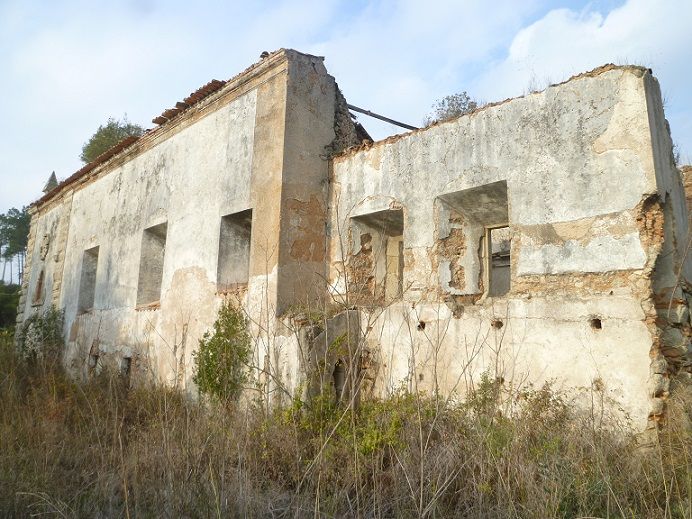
(451, 106)
(39, 338)
(221, 362)
(14, 234)
(98, 450)
(9, 299)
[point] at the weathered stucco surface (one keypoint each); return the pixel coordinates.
(579, 162)
(539, 239)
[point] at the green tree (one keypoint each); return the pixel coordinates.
(14, 234)
(107, 136)
(221, 363)
(451, 106)
(9, 299)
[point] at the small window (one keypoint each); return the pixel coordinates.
(498, 244)
(87, 282)
(234, 250)
(381, 253)
(151, 264)
(39, 290)
(475, 241)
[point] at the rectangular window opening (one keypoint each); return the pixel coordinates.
(498, 264)
(234, 250)
(476, 236)
(381, 238)
(151, 264)
(87, 281)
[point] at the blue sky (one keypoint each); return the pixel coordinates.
(66, 66)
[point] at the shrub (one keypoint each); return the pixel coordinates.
(9, 300)
(39, 338)
(92, 450)
(221, 363)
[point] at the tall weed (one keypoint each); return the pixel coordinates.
(97, 449)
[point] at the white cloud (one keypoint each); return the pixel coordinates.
(69, 65)
(566, 42)
(398, 57)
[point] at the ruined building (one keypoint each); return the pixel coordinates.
(542, 238)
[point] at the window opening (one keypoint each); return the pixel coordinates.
(475, 241)
(498, 265)
(125, 368)
(151, 264)
(234, 250)
(381, 238)
(87, 282)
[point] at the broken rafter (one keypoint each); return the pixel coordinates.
(381, 117)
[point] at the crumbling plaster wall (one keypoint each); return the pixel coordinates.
(44, 255)
(213, 159)
(310, 129)
(262, 142)
(672, 292)
(599, 294)
(580, 160)
(317, 124)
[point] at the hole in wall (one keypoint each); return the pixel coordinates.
(421, 326)
(497, 324)
(93, 361)
(597, 384)
(37, 299)
(420, 377)
(498, 263)
(596, 323)
(339, 376)
(125, 367)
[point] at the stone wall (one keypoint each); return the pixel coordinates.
(542, 239)
(579, 175)
(235, 155)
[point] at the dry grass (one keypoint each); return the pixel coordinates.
(98, 450)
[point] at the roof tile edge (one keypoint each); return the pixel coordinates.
(101, 162)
